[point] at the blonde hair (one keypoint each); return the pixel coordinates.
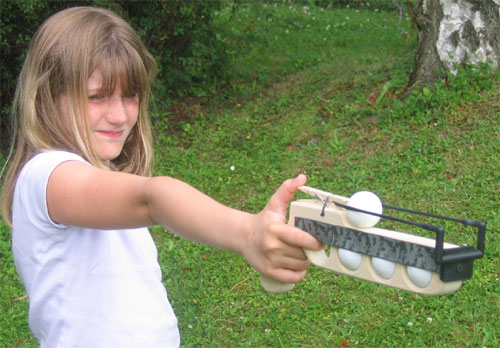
(62, 55)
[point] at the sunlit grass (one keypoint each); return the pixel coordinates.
(300, 100)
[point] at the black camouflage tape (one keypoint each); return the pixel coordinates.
(395, 250)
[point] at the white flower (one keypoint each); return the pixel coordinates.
(232, 168)
(410, 324)
(267, 330)
(429, 320)
(190, 326)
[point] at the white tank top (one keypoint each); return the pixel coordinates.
(87, 288)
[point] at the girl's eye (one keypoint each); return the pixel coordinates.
(130, 96)
(96, 97)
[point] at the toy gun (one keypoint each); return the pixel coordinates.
(400, 260)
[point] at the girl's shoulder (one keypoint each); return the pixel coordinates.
(39, 167)
(29, 199)
(56, 155)
(48, 160)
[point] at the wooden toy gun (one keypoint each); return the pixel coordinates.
(400, 260)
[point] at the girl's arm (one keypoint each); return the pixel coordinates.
(82, 195)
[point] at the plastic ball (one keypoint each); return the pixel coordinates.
(350, 259)
(418, 276)
(368, 201)
(383, 268)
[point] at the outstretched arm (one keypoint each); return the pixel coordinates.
(85, 196)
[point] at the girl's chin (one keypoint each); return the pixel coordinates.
(108, 155)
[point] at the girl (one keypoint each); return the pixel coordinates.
(79, 196)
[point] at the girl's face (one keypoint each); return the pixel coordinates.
(111, 117)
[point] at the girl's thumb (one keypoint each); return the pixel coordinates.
(285, 193)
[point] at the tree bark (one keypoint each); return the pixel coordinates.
(452, 33)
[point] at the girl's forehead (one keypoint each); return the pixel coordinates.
(95, 80)
(121, 73)
(107, 83)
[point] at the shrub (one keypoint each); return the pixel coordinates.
(382, 5)
(178, 33)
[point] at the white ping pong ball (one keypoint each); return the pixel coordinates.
(418, 276)
(350, 259)
(364, 200)
(384, 268)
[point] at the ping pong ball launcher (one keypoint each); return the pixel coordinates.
(443, 265)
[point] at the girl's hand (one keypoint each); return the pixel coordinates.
(275, 248)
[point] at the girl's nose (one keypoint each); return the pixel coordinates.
(117, 112)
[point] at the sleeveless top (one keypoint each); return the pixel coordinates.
(86, 287)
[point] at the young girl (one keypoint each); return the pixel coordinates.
(79, 196)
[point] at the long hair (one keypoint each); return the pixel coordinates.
(61, 57)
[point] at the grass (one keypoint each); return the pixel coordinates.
(316, 91)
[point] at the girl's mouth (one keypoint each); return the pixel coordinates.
(111, 134)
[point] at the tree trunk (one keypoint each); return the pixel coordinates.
(454, 32)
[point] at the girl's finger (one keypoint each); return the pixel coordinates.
(296, 237)
(287, 275)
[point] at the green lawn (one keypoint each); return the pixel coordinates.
(316, 91)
